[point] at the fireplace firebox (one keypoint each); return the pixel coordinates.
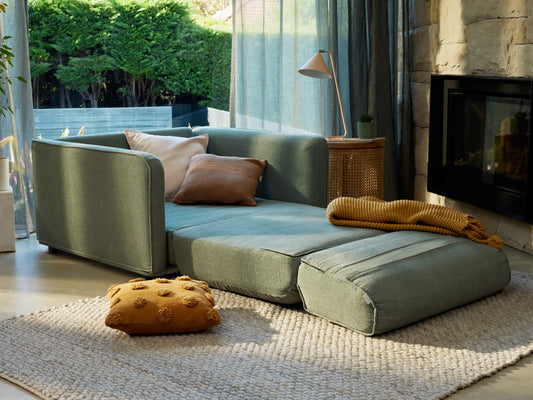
(479, 142)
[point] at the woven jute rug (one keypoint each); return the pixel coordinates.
(265, 351)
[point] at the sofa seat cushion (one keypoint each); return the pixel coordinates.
(186, 216)
(255, 252)
(382, 283)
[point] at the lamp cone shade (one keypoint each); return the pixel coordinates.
(316, 68)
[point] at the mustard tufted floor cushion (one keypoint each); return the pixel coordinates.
(161, 306)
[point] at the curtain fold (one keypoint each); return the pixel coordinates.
(369, 41)
(271, 40)
(380, 90)
(404, 145)
(19, 125)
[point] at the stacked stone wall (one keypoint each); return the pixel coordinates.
(467, 37)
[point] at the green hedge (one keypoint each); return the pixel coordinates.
(126, 53)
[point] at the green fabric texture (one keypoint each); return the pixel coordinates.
(184, 216)
(101, 202)
(119, 139)
(112, 140)
(382, 283)
(256, 251)
(297, 164)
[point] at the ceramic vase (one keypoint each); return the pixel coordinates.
(4, 173)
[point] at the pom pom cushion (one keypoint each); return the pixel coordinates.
(221, 180)
(161, 306)
(174, 152)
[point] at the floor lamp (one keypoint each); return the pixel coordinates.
(317, 68)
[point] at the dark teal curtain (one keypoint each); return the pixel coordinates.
(370, 39)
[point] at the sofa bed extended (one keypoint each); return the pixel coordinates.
(97, 198)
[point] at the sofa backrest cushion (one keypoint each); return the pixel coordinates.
(297, 167)
(119, 139)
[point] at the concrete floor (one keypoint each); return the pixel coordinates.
(33, 279)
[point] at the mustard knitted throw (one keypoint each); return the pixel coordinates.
(370, 212)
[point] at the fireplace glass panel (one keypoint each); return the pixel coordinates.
(489, 138)
(479, 142)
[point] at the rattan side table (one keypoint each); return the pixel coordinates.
(355, 168)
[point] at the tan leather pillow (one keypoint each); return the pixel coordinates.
(221, 180)
(161, 306)
(174, 152)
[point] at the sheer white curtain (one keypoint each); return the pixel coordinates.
(20, 125)
(271, 40)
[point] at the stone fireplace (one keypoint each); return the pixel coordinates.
(474, 38)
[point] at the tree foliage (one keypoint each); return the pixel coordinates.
(86, 75)
(126, 52)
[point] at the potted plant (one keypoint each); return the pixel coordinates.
(366, 126)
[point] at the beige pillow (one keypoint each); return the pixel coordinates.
(161, 306)
(221, 180)
(174, 152)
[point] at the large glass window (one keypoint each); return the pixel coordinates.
(167, 61)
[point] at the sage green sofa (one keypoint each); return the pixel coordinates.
(98, 199)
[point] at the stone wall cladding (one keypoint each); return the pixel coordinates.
(467, 37)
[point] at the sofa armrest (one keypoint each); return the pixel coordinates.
(297, 169)
(102, 203)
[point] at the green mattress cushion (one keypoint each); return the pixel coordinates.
(187, 216)
(254, 251)
(382, 283)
